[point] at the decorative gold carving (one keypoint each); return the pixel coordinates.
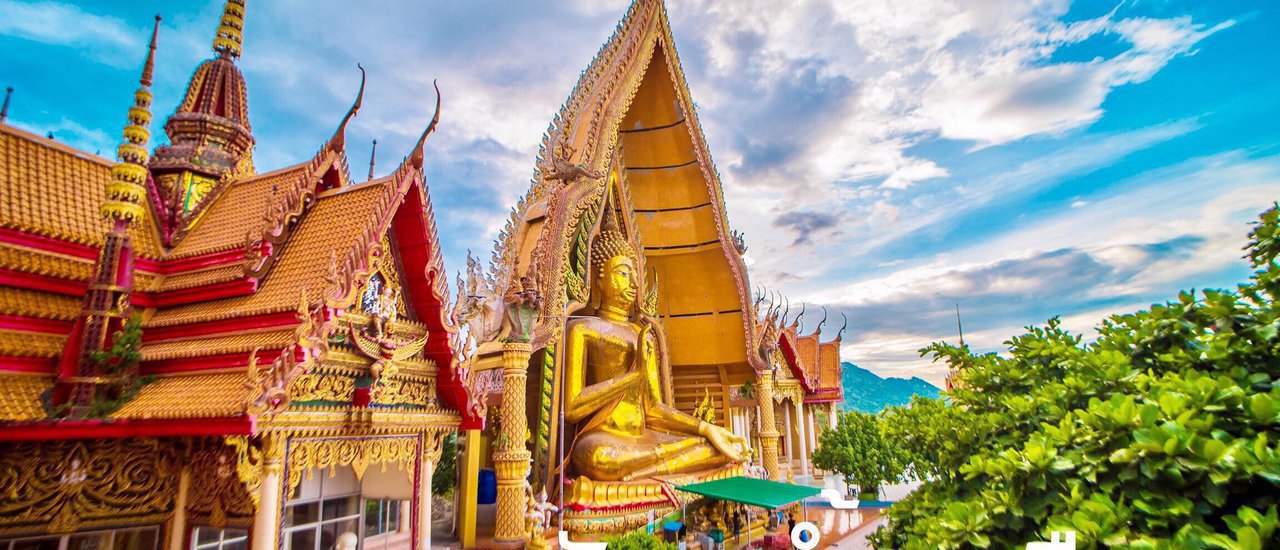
(322, 387)
(306, 455)
(249, 464)
(376, 342)
(217, 496)
(63, 486)
(268, 388)
(405, 392)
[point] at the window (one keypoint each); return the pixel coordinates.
(381, 516)
(326, 508)
(209, 538)
(138, 538)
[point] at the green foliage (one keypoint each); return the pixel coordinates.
(125, 349)
(858, 450)
(925, 432)
(445, 477)
(747, 390)
(119, 365)
(638, 540)
(1161, 434)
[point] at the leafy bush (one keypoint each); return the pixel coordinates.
(638, 540)
(445, 477)
(1161, 434)
(858, 451)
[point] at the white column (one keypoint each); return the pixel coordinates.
(266, 522)
(804, 439)
(178, 523)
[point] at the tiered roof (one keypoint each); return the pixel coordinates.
(233, 282)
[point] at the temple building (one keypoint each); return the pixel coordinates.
(614, 338)
(198, 354)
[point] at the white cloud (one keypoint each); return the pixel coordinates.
(106, 39)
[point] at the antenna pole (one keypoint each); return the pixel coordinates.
(959, 327)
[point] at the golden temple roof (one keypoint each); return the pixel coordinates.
(20, 399)
(237, 213)
(242, 342)
(15, 343)
(189, 396)
(54, 190)
(332, 226)
(41, 305)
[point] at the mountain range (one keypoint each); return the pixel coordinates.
(867, 392)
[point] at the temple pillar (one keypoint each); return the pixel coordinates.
(769, 427)
(468, 488)
(803, 438)
(266, 522)
(177, 524)
(511, 457)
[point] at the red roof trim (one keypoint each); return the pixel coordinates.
(34, 324)
(156, 267)
(221, 326)
(47, 430)
(40, 365)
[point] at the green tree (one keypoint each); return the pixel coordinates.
(1160, 434)
(925, 431)
(858, 451)
(637, 540)
(445, 477)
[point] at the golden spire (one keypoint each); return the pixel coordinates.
(127, 191)
(226, 41)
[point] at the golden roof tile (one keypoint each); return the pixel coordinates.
(332, 226)
(192, 279)
(20, 399)
(239, 211)
(218, 345)
(54, 190)
(188, 396)
(31, 344)
(41, 305)
(27, 260)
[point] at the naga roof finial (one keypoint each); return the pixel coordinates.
(416, 157)
(127, 190)
(339, 139)
(230, 34)
(823, 322)
(798, 322)
(845, 325)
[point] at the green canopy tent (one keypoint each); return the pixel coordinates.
(751, 491)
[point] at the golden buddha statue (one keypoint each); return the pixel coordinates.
(613, 388)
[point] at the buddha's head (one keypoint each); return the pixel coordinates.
(614, 261)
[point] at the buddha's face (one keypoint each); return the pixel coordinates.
(618, 282)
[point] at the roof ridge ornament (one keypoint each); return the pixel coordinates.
(416, 156)
(339, 140)
(230, 34)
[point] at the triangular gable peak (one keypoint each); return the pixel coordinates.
(631, 118)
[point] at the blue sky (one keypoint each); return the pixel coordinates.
(885, 159)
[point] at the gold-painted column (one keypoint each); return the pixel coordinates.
(467, 492)
(266, 522)
(769, 427)
(511, 457)
(177, 527)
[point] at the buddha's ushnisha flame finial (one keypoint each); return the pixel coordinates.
(226, 42)
(126, 191)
